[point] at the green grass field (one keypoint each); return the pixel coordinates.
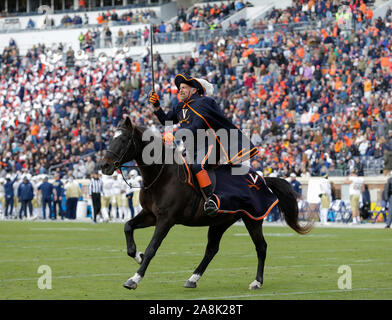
(90, 262)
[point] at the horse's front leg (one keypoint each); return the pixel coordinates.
(163, 225)
(143, 220)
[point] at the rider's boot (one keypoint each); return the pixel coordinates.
(210, 206)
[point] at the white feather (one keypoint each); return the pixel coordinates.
(208, 87)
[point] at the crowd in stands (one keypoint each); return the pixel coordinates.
(206, 16)
(131, 17)
(112, 17)
(307, 11)
(313, 102)
(199, 17)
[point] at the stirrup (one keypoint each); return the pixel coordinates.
(210, 208)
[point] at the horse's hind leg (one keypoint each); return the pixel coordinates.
(215, 234)
(255, 229)
(142, 220)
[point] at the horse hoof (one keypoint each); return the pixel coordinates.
(190, 284)
(255, 285)
(130, 284)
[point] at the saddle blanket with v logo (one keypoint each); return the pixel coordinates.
(247, 193)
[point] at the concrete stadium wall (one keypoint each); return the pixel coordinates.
(165, 50)
(381, 9)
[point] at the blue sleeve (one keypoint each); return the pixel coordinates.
(163, 117)
(12, 183)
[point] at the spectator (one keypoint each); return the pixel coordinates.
(296, 185)
(79, 170)
(86, 19)
(95, 190)
(108, 37)
(25, 195)
(46, 191)
(120, 37)
(106, 197)
(58, 196)
(119, 203)
(358, 166)
(72, 194)
(90, 166)
(135, 181)
(325, 199)
(30, 24)
(388, 198)
(9, 196)
(365, 208)
(355, 190)
(388, 153)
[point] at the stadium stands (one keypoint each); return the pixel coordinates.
(309, 82)
(299, 110)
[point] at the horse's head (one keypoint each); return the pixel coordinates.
(121, 149)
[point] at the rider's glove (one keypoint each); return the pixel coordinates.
(154, 99)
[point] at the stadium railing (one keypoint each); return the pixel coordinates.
(205, 34)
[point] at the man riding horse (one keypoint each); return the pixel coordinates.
(197, 111)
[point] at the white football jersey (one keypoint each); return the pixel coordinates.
(107, 183)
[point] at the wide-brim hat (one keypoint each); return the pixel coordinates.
(180, 78)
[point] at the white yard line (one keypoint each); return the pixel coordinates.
(67, 229)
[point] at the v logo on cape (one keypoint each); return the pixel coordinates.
(253, 183)
(184, 116)
(254, 178)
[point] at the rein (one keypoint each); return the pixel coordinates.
(145, 165)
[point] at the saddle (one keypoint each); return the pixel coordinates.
(247, 194)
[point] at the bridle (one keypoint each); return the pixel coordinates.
(118, 166)
(120, 157)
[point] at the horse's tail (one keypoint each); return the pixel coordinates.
(287, 203)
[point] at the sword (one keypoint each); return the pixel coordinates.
(152, 59)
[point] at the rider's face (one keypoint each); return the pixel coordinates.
(186, 92)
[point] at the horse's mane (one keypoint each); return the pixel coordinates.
(157, 135)
(141, 129)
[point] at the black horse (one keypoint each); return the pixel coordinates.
(167, 200)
